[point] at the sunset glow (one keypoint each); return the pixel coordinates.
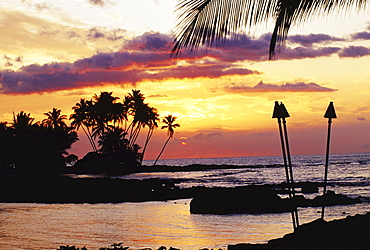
(56, 52)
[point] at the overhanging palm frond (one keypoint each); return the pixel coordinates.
(203, 22)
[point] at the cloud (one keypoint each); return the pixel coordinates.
(147, 58)
(37, 6)
(102, 33)
(263, 134)
(309, 40)
(207, 136)
(365, 35)
(158, 96)
(287, 87)
(360, 119)
(144, 58)
(366, 145)
(354, 51)
(99, 2)
(246, 48)
(150, 41)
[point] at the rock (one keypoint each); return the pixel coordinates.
(309, 187)
(252, 199)
(350, 233)
(331, 199)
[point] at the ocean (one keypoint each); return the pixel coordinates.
(154, 224)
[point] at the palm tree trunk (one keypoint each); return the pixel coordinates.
(90, 139)
(148, 136)
(162, 151)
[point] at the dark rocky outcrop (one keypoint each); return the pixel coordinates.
(350, 233)
(257, 199)
(59, 189)
(252, 199)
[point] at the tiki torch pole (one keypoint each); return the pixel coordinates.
(285, 114)
(280, 113)
(277, 114)
(330, 113)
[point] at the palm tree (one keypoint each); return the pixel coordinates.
(81, 118)
(112, 141)
(103, 111)
(136, 109)
(169, 120)
(54, 119)
(151, 118)
(22, 121)
(202, 22)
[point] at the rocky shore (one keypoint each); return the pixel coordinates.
(352, 233)
(247, 199)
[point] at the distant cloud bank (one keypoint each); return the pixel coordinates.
(287, 87)
(147, 58)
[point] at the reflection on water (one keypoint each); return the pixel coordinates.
(145, 224)
(155, 224)
(148, 224)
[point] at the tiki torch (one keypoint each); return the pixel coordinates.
(330, 114)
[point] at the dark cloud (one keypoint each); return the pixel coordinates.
(249, 49)
(103, 33)
(361, 36)
(150, 41)
(287, 87)
(354, 51)
(360, 119)
(11, 61)
(147, 58)
(306, 52)
(309, 40)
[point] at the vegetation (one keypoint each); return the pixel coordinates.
(169, 120)
(112, 129)
(35, 147)
(202, 22)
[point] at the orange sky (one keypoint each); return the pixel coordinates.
(56, 52)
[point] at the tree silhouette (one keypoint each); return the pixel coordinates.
(103, 112)
(22, 121)
(169, 120)
(81, 118)
(54, 119)
(36, 148)
(150, 120)
(202, 22)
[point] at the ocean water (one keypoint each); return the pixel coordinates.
(155, 224)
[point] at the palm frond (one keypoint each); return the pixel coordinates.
(204, 22)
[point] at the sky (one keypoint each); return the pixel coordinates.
(53, 53)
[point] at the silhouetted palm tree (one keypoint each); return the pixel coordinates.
(54, 119)
(81, 118)
(169, 120)
(137, 110)
(150, 120)
(202, 22)
(103, 111)
(112, 140)
(22, 121)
